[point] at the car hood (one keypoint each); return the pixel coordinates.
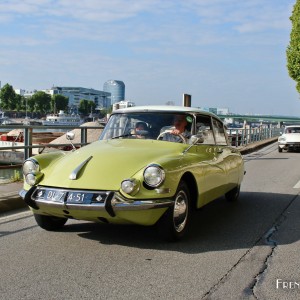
(105, 164)
(292, 137)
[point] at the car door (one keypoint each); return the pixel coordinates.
(213, 170)
(227, 157)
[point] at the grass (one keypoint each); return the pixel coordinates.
(17, 176)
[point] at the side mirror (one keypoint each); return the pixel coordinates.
(197, 139)
(70, 135)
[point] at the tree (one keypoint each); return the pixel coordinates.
(7, 98)
(86, 106)
(20, 103)
(293, 49)
(41, 102)
(59, 102)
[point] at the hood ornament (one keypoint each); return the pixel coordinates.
(75, 172)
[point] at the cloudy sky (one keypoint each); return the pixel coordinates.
(225, 53)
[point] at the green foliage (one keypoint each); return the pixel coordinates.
(293, 49)
(20, 103)
(86, 106)
(41, 102)
(7, 98)
(16, 177)
(59, 102)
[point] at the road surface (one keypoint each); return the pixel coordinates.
(244, 250)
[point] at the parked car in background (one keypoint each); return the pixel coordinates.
(289, 139)
(141, 171)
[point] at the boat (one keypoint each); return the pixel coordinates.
(29, 121)
(10, 122)
(2, 117)
(62, 119)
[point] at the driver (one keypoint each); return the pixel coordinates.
(179, 128)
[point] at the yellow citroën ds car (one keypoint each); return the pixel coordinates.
(151, 166)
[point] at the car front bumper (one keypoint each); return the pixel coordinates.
(287, 145)
(112, 208)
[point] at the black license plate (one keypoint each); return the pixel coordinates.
(79, 197)
(64, 196)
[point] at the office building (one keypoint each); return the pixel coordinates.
(117, 90)
(75, 94)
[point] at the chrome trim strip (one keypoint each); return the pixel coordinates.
(73, 175)
(118, 202)
(136, 205)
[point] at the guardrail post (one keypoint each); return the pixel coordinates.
(83, 135)
(27, 142)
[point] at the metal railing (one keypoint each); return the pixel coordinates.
(245, 136)
(28, 137)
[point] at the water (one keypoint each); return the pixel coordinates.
(7, 174)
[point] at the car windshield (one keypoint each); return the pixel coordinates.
(292, 130)
(147, 125)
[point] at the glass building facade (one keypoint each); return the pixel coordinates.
(75, 94)
(117, 90)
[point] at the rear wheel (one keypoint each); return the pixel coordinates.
(233, 195)
(174, 223)
(50, 223)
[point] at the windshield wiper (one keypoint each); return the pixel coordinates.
(122, 135)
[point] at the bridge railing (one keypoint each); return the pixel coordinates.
(245, 136)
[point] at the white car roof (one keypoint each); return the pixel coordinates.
(163, 108)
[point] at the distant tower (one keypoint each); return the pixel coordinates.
(117, 90)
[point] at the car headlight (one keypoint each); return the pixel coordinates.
(31, 171)
(282, 139)
(30, 166)
(130, 186)
(154, 175)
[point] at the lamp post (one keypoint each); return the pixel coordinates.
(26, 107)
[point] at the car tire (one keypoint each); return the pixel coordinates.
(173, 225)
(50, 223)
(279, 149)
(233, 194)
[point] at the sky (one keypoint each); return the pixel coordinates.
(225, 53)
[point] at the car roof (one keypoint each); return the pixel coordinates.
(164, 108)
(292, 126)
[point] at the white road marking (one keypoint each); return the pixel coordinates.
(297, 185)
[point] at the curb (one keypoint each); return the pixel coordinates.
(258, 145)
(11, 201)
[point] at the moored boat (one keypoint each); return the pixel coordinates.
(63, 119)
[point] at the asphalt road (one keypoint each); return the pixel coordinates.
(234, 251)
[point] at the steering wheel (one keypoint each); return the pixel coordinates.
(183, 139)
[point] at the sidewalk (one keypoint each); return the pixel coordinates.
(9, 196)
(9, 192)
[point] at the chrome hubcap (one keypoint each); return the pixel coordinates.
(180, 211)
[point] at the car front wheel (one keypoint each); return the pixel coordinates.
(279, 149)
(50, 223)
(234, 194)
(174, 223)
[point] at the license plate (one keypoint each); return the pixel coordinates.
(76, 197)
(53, 195)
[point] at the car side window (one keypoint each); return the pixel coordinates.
(219, 132)
(204, 128)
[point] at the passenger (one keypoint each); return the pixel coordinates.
(141, 129)
(180, 123)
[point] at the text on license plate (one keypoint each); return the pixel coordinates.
(69, 197)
